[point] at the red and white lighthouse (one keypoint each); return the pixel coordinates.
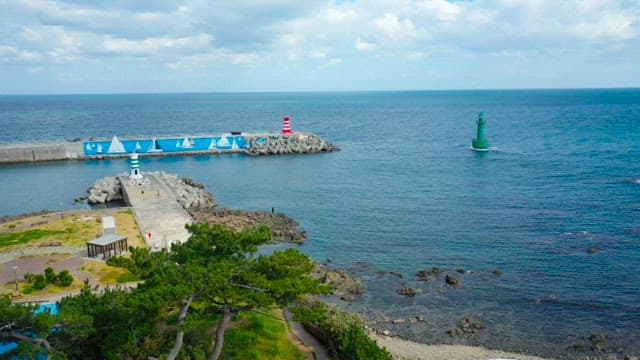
(286, 128)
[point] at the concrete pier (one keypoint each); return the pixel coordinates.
(157, 211)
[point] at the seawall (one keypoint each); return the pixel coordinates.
(23, 153)
(250, 144)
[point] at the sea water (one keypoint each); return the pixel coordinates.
(407, 193)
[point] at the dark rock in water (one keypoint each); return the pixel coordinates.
(392, 273)
(345, 286)
(347, 297)
(596, 338)
(470, 325)
(496, 272)
(426, 275)
(461, 271)
(578, 347)
(451, 280)
(592, 250)
(79, 199)
(408, 291)
(630, 357)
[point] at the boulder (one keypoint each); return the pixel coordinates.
(408, 291)
(451, 280)
(344, 285)
(425, 275)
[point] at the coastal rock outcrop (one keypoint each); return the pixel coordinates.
(345, 286)
(283, 228)
(299, 143)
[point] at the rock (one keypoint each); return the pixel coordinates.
(283, 228)
(299, 143)
(461, 271)
(630, 357)
(592, 250)
(496, 272)
(470, 325)
(596, 338)
(408, 291)
(425, 275)
(392, 273)
(455, 332)
(451, 280)
(386, 332)
(420, 318)
(105, 190)
(578, 347)
(398, 321)
(344, 285)
(79, 199)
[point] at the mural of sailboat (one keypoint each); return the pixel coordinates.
(187, 143)
(154, 147)
(116, 146)
(223, 143)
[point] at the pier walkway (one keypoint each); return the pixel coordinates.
(157, 211)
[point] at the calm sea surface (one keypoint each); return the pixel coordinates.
(406, 193)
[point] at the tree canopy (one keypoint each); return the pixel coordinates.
(183, 294)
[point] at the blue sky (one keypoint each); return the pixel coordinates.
(125, 46)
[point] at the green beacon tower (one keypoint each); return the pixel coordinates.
(480, 142)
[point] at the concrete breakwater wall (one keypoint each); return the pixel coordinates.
(250, 144)
(21, 153)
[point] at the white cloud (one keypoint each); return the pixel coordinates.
(335, 61)
(364, 46)
(396, 28)
(190, 35)
(154, 45)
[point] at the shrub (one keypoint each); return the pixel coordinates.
(39, 282)
(343, 333)
(65, 278)
(50, 275)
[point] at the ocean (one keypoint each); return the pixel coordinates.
(406, 193)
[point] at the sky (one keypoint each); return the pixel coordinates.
(158, 46)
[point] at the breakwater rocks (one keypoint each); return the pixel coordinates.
(299, 143)
(105, 190)
(191, 195)
(283, 228)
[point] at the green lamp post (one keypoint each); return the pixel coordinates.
(480, 142)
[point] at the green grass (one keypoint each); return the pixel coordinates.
(26, 236)
(259, 337)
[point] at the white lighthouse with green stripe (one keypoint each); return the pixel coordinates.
(135, 167)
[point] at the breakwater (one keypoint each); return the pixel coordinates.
(250, 144)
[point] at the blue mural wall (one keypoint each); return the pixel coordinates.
(167, 145)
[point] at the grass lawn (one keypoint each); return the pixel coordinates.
(73, 229)
(107, 274)
(257, 336)
(126, 225)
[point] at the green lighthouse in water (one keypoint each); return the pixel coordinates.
(480, 142)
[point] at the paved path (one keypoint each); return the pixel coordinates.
(157, 211)
(319, 351)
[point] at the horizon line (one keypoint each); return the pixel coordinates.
(320, 91)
